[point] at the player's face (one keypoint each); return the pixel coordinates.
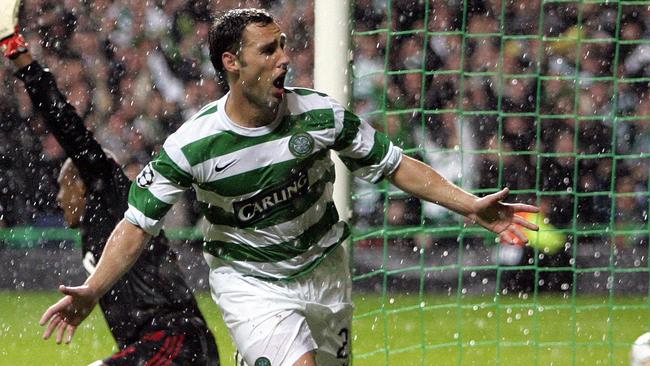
(71, 196)
(263, 65)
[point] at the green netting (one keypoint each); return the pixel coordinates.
(578, 146)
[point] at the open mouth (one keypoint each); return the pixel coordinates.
(278, 82)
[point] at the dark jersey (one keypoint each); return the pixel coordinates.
(153, 291)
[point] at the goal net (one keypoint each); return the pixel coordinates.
(546, 97)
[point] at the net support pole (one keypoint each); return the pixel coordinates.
(331, 76)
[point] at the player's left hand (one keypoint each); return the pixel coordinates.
(502, 218)
(64, 316)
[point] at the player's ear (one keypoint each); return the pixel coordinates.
(230, 62)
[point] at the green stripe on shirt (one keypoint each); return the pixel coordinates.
(350, 130)
(227, 142)
(218, 216)
(275, 252)
(210, 110)
(309, 267)
(147, 203)
(164, 165)
(264, 177)
(375, 156)
(304, 92)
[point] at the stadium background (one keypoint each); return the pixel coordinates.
(549, 98)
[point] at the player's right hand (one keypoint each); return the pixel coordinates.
(501, 218)
(66, 314)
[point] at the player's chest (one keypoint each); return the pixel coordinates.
(279, 164)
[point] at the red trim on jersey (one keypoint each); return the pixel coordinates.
(154, 336)
(153, 361)
(177, 350)
(124, 352)
(13, 45)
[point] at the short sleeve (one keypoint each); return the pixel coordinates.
(368, 153)
(158, 186)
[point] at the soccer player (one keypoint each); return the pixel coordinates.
(259, 161)
(150, 311)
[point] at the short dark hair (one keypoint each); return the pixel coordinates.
(226, 33)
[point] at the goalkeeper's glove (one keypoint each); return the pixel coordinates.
(13, 45)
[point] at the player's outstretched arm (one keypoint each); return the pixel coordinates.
(122, 250)
(422, 181)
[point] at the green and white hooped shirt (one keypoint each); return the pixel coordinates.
(266, 192)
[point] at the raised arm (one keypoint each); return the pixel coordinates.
(422, 181)
(120, 253)
(61, 119)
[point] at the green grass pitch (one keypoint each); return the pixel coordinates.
(407, 331)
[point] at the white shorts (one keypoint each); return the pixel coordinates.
(274, 323)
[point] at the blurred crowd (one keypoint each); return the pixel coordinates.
(492, 93)
(552, 102)
(134, 70)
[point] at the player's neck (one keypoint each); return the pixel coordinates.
(246, 114)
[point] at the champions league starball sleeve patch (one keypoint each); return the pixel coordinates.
(146, 177)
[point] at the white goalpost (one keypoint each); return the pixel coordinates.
(331, 75)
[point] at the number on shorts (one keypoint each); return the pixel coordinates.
(343, 351)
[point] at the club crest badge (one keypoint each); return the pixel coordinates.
(301, 144)
(262, 361)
